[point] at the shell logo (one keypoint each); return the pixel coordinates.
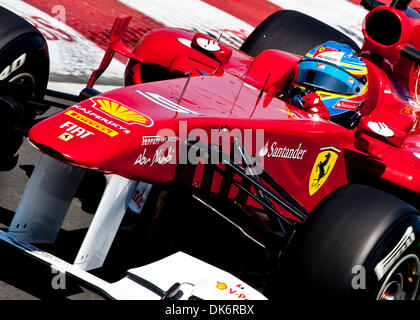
(221, 285)
(121, 112)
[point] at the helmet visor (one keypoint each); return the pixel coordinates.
(324, 76)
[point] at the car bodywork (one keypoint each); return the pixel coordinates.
(228, 89)
(181, 86)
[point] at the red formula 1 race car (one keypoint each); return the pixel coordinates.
(292, 164)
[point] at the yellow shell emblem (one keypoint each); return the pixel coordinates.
(323, 166)
(221, 285)
(121, 112)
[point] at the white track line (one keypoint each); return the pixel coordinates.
(78, 57)
(195, 15)
(75, 88)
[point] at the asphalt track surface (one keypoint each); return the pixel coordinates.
(22, 280)
(87, 26)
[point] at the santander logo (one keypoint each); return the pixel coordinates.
(275, 150)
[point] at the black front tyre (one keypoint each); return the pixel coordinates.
(24, 60)
(294, 32)
(359, 242)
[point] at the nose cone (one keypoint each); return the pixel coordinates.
(108, 132)
(93, 133)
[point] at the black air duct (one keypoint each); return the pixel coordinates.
(400, 4)
(371, 4)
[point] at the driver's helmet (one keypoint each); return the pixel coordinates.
(338, 75)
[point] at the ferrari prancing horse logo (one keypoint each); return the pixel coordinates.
(322, 168)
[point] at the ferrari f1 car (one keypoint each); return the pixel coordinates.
(210, 155)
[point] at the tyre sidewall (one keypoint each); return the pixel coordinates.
(391, 241)
(294, 32)
(27, 54)
(356, 226)
(27, 57)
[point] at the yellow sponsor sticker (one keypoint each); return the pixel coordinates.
(323, 166)
(96, 125)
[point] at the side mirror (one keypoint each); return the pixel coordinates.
(211, 47)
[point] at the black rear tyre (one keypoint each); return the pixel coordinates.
(24, 60)
(359, 242)
(294, 32)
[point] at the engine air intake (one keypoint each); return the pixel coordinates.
(384, 27)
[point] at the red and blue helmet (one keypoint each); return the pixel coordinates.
(337, 74)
